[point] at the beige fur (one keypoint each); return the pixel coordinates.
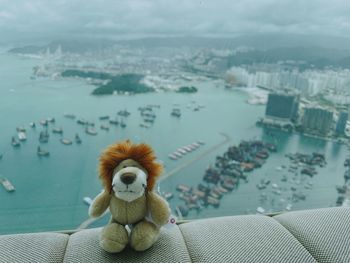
(144, 234)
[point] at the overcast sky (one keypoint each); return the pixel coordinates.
(57, 18)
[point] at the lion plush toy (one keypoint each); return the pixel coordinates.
(128, 172)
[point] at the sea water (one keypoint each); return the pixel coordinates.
(49, 191)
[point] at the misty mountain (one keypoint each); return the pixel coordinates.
(312, 56)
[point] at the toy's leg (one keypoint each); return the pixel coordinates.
(114, 238)
(144, 235)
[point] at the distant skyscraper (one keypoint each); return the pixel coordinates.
(282, 106)
(317, 119)
(341, 123)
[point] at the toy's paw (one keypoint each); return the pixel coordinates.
(144, 235)
(114, 238)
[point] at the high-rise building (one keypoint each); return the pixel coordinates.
(282, 106)
(341, 123)
(317, 120)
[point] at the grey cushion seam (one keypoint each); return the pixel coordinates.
(183, 237)
(65, 249)
(296, 239)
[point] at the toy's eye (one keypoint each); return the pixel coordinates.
(124, 166)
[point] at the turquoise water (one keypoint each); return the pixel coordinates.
(49, 191)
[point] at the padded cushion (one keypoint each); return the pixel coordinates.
(40, 247)
(84, 247)
(242, 239)
(325, 233)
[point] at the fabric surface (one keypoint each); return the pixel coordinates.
(242, 239)
(325, 233)
(84, 247)
(40, 248)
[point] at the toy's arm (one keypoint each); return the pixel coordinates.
(158, 208)
(99, 204)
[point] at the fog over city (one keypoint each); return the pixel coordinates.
(39, 19)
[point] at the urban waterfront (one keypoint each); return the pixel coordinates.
(49, 191)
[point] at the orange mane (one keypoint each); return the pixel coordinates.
(116, 153)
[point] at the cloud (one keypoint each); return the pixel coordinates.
(170, 17)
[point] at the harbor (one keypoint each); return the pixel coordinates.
(71, 169)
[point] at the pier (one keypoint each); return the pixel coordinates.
(197, 158)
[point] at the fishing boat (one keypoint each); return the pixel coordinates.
(69, 115)
(14, 142)
(168, 195)
(41, 152)
(7, 184)
(176, 113)
(32, 124)
(123, 113)
(44, 122)
(57, 130)
(51, 119)
(66, 141)
(21, 129)
(44, 136)
(122, 124)
(114, 122)
(172, 157)
(77, 139)
(104, 127)
(90, 131)
(106, 117)
(22, 136)
(82, 121)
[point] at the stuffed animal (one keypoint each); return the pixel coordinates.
(129, 172)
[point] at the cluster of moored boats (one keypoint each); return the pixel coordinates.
(300, 164)
(307, 162)
(148, 115)
(223, 177)
(344, 190)
(184, 150)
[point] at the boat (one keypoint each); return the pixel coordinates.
(82, 121)
(172, 157)
(90, 131)
(44, 122)
(14, 142)
(7, 184)
(168, 195)
(145, 125)
(87, 200)
(123, 113)
(44, 136)
(51, 119)
(57, 130)
(176, 113)
(106, 117)
(22, 136)
(114, 122)
(41, 152)
(69, 115)
(260, 210)
(32, 124)
(21, 129)
(66, 141)
(183, 188)
(77, 139)
(104, 127)
(122, 124)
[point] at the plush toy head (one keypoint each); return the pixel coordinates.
(129, 169)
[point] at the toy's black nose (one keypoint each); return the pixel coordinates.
(128, 178)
